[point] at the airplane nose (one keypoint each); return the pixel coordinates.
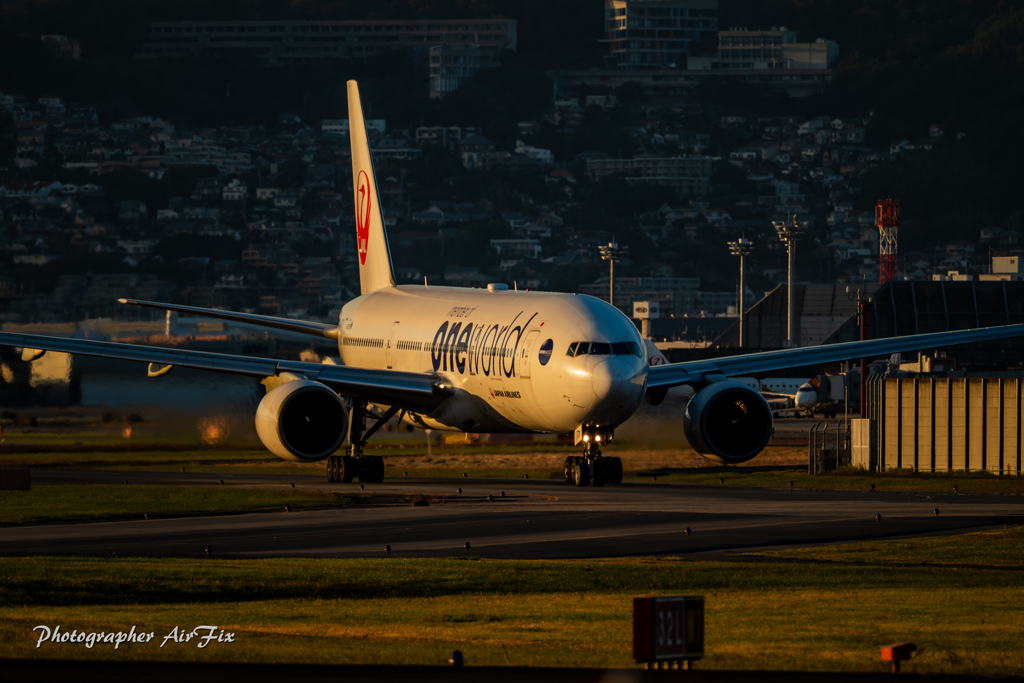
(604, 378)
(614, 383)
(806, 399)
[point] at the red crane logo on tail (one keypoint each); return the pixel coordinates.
(363, 215)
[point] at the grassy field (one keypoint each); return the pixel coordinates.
(494, 462)
(568, 613)
(844, 479)
(103, 447)
(62, 501)
(1002, 548)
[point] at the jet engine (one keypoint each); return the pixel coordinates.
(728, 422)
(302, 420)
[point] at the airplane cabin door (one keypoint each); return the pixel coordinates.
(524, 361)
(391, 346)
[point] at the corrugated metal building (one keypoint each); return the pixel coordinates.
(827, 315)
(940, 425)
(901, 308)
(820, 310)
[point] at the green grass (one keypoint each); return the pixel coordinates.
(562, 613)
(25, 441)
(237, 462)
(42, 449)
(847, 479)
(64, 501)
(1001, 548)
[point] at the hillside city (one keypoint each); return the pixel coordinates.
(259, 217)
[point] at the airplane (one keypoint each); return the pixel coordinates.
(484, 360)
(786, 391)
(781, 392)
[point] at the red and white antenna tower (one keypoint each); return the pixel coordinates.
(887, 218)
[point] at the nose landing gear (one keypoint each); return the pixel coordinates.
(592, 466)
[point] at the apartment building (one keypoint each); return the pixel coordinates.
(451, 67)
(645, 34)
(689, 176)
(776, 48)
(676, 295)
(284, 42)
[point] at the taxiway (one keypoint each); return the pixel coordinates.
(534, 519)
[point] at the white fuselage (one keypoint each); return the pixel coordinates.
(803, 394)
(505, 354)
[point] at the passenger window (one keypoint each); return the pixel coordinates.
(583, 348)
(600, 349)
(572, 349)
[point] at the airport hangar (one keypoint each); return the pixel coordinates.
(952, 410)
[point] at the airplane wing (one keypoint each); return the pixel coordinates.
(300, 326)
(773, 396)
(676, 374)
(409, 390)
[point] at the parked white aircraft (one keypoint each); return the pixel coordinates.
(781, 392)
(799, 392)
(482, 360)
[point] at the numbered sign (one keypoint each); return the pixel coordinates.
(668, 628)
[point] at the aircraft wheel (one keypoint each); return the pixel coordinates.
(600, 471)
(580, 472)
(375, 470)
(331, 474)
(613, 467)
(568, 469)
(345, 470)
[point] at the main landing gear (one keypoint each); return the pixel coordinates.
(368, 468)
(579, 471)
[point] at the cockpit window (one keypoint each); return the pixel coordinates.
(625, 349)
(604, 349)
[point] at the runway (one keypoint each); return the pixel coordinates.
(535, 519)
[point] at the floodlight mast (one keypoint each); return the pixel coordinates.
(612, 253)
(742, 248)
(789, 232)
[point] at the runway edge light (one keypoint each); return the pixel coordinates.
(668, 632)
(897, 653)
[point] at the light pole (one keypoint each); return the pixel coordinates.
(789, 232)
(742, 248)
(612, 253)
(863, 301)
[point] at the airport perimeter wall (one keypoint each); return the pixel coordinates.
(936, 425)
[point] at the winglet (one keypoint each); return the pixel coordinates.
(375, 269)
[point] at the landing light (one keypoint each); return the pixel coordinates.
(597, 438)
(586, 437)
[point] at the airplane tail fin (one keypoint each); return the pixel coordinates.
(375, 269)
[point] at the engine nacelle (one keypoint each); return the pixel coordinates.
(728, 422)
(302, 421)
